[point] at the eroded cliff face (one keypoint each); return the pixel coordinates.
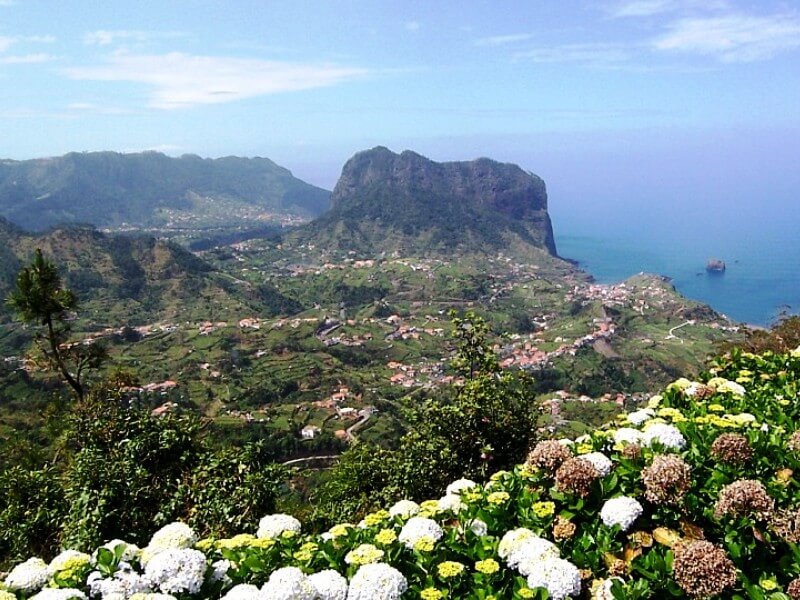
(444, 205)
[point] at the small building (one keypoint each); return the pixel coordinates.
(309, 432)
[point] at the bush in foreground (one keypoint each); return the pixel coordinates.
(694, 496)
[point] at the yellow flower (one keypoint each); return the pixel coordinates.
(498, 497)
(584, 448)
(205, 544)
(450, 568)
(4, 595)
(784, 402)
(544, 509)
(716, 408)
(339, 530)
(430, 594)
(310, 546)
(487, 567)
(385, 537)
(363, 555)
(499, 475)
(429, 508)
(654, 401)
(424, 544)
(526, 593)
(238, 541)
(263, 543)
(289, 534)
(376, 518)
(473, 495)
(769, 585)
(303, 555)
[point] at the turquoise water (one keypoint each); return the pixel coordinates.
(762, 276)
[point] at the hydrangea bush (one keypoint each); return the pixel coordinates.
(692, 496)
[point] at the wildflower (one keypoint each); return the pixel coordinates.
(701, 569)
(449, 568)
(731, 449)
(377, 581)
(363, 555)
(558, 576)
(288, 583)
(177, 570)
(599, 461)
(459, 486)
(667, 479)
(563, 529)
(745, 497)
(329, 585)
(543, 509)
(576, 476)
(273, 526)
(404, 509)
(622, 511)
(549, 455)
(28, 577)
(417, 528)
(487, 567)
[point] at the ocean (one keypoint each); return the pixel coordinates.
(762, 278)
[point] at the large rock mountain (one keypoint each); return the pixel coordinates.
(150, 190)
(385, 201)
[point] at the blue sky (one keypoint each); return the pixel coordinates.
(691, 103)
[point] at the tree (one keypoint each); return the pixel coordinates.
(40, 299)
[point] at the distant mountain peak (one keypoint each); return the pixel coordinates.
(386, 201)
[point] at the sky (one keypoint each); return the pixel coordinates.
(678, 112)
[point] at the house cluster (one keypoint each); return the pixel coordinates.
(425, 374)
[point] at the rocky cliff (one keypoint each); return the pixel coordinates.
(389, 201)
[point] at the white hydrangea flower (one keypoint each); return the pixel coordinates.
(59, 594)
(731, 387)
(668, 436)
(272, 526)
(627, 435)
(377, 581)
(152, 596)
(512, 540)
(601, 588)
(451, 502)
(599, 461)
(459, 485)
(28, 577)
(329, 585)
(243, 591)
(558, 576)
(288, 583)
(173, 536)
(417, 528)
(220, 571)
(654, 401)
(178, 570)
(638, 417)
(622, 511)
(404, 509)
(566, 442)
(130, 552)
(59, 563)
(124, 583)
(478, 527)
(530, 552)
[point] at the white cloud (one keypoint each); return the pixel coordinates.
(502, 40)
(26, 59)
(105, 37)
(413, 26)
(589, 54)
(733, 38)
(7, 42)
(649, 8)
(181, 80)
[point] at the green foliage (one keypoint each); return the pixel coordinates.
(488, 424)
(783, 336)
